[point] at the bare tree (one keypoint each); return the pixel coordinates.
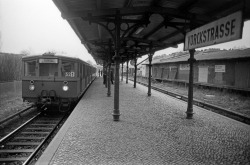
(27, 52)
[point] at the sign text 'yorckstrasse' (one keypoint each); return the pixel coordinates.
(226, 29)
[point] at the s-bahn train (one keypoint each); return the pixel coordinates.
(54, 81)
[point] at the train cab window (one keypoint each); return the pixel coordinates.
(48, 69)
(68, 69)
(30, 68)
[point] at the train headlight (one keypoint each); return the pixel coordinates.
(32, 87)
(65, 86)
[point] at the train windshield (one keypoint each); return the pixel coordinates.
(48, 67)
(30, 68)
(68, 69)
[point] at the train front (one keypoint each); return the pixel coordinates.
(50, 82)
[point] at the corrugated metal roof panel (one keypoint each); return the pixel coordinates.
(202, 56)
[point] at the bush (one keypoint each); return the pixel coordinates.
(10, 67)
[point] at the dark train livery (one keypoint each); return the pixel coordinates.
(54, 81)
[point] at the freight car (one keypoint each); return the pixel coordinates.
(54, 81)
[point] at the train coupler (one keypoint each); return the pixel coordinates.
(64, 106)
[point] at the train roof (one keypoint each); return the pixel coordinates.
(53, 56)
(205, 55)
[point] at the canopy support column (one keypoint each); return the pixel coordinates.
(191, 61)
(104, 74)
(122, 71)
(109, 68)
(135, 74)
(116, 112)
(127, 72)
(109, 75)
(150, 56)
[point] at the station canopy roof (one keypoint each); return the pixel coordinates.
(145, 25)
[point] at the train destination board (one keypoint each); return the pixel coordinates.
(226, 29)
(48, 60)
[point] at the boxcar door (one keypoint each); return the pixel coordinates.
(203, 74)
(242, 75)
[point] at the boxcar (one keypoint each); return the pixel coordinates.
(54, 81)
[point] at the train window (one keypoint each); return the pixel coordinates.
(48, 69)
(68, 69)
(30, 68)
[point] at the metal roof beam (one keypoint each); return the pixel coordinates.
(134, 11)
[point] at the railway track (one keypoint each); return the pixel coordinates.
(22, 145)
(207, 106)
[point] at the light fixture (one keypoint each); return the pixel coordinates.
(32, 87)
(65, 86)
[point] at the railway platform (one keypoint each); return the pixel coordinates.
(152, 130)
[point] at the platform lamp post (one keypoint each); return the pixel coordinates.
(116, 112)
(127, 70)
(150, 56)
(135, 71)
(191, 61)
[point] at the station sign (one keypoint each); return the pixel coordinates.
(48, 60)
(220, 68)
(226, 29)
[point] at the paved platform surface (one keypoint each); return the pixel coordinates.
(152, 130)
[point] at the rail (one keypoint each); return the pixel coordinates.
(14, 115)
(207, 106)
(18, 148)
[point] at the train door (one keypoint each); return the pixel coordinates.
(155, 72)
(172, 72)
(162, 73)
(242, 75)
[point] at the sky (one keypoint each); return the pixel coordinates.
(37, 26)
